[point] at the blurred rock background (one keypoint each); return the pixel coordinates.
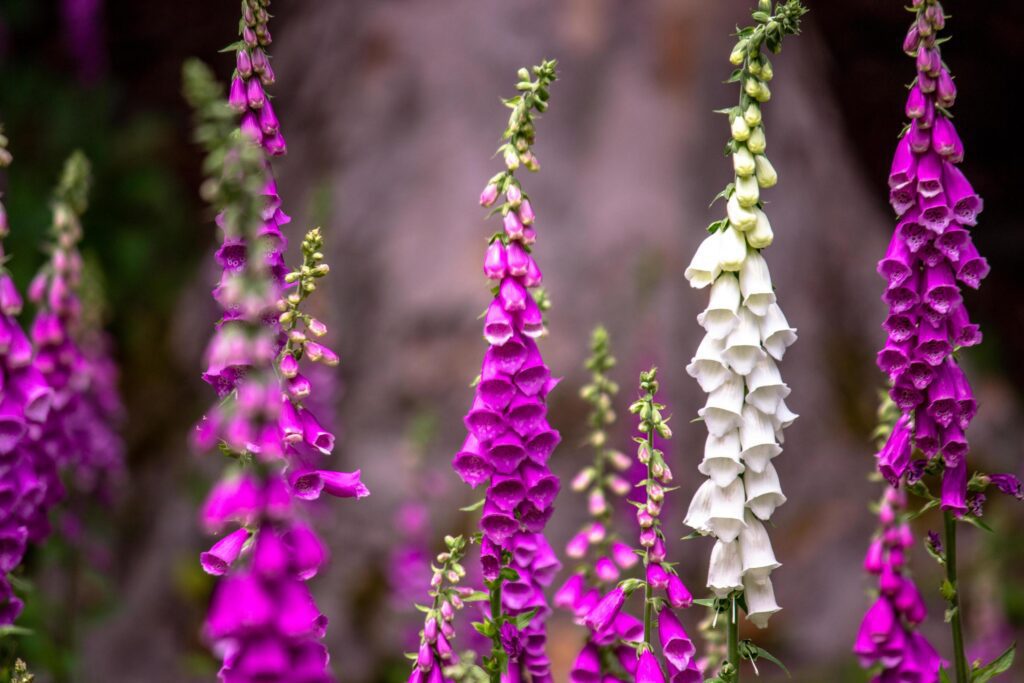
(391, 110)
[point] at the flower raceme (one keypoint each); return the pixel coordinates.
(510, 441)
(746, 334)
(262, 618)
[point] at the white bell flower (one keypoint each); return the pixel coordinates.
(724, 408)
(704, 266)
(719, 318)
(782, 418)
(776, 334)
(740, 218)
(722, 458)
(707, 366)
(726, 514)
(756, 284)
(765, 388)
(760, 598)
(743, 345)
(725, 573)
(699, 512)
(732, 249)
(757, 439)
(756, 549)
(764, 493)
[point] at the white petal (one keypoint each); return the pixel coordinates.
(765, 388)
(733, 249)
(743, 345)
(700, 508)
(747, 192)
(743, 162)
(766, 175)
(722, 458)
(776, 334)
(740, 218)
(757, 438)
(726, 519)
(764, 493)
(725, 574)
(782, 418)
(707, 366)
(756, 549)
(760, 599)
(761, 236)
(704, 267)
(756, 283)
(719, 318)
(724, 409)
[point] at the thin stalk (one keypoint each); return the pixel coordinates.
(956, 622)
(734, 639)
(496, 617)
(648, 589)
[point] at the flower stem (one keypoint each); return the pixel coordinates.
(496, 619)
(956, 621)
(734, 639)
(648, 589)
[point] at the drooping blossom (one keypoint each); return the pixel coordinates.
(253, 74)
(262, 619)
(601, 554)
(746, 335)
(510, 441)
(624, 646)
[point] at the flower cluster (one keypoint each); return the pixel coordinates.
(28, 484)
(510, 440)
(435, 649)
(746, 333)
(930, 255)
(262, 619)
(888, 638)
(606, 619)
(253, 74)
(603, 556)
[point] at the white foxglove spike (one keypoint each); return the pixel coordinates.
(761, 235)
(760, 599)
(722, 458)
(719, 318)
(757, 438)
(732, 249)
(708, 366)
(704, 267)
(756, 283)
(724, 409)
(765, 388)
(764, 493)
(776, 334)
(727, 505)
(740, 218)
(725, 574)
(699, 513)
(743, 345)
(756, 549)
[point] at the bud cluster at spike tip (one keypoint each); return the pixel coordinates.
(930, 256)
(435, 651)
(510, 441)
(888, 637)
(253, 74)
(262, 620)
(597, 546)
(605, 619)
(746, 334)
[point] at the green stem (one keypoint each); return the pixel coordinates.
(734, 639)
(648, 589)
(956, 622)
(496, 618)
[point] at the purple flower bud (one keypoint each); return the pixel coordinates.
(945, 89)
(495, 261)
(218, 559)
(911, 40)
(513, 225)
(604, 613)
(648, 669)
(489, 195)
(236, 95)
(916, 103)
(526, 214)
(657, 576)
(10, 299)
(945, 139)
(343, 484)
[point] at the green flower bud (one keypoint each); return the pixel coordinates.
(740, 129)
(743, 162)
(752, 115)
(766, 176)
(747, 192)
(757, 142)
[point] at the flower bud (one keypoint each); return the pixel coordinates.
(740, 129)
(766, 176)
(489, 195)
(743, 162)
(739, 52)
(757, 142)
(747, 192)
(752, 115)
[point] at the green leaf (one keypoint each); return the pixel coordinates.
(999, 665)
(943, 676)
(976, 522)
(476, 596)
(930, 505)
(474, 507)
(523, 620)
(705, 602)
(13, 630)
(753, 652)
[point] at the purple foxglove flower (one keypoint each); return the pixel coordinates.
(603, 615)
(218, 559)
(945, 139)
(966, 204)
(649, 670)
(916, 103)
(496, 259)
(675, 643)
(954, 487)
(1008, 484)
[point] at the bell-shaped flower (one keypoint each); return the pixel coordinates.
(904, 164)
(648, 669)
(761, 235)
(498, 324)
(782, 419)
(218, 559)
(756, 283)
(725, 573)
(732, 248)
(766, 175)
(725, 517)
(757, 439)
(764, 493)
(756, 549)
(961, 196)
(929, 174)
(743, 162)
(722, 458)
(747, 191)
(705, 265)
(760, 598)
(604, 613)
(707, 366)
(741, 218)
(699, 513)
(719, 318)
(743, 345)
(776, 334)
(723, 411)
(765, 388)
(972, 268)
(675, 643)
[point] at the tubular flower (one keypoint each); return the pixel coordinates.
(930, 257)
(510, 441)
(888, 639)
(253, 74)
(262, 618)
(598, 548)
(28, 479)
(746, 335)
(435, 652)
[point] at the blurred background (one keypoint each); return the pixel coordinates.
(391, 110)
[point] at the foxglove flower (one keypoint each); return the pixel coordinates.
(510, 440)
(747, 334)
(617, 636)
(601, 554)
(262, 618)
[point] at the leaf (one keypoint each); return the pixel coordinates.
(476, 596)
(948, 590)
(474, 507)
(930, 505)
(752, 652)
(997, 666)
(943, 676)
(523, 620)
(705, 602)
(13, 630)
(976, 522)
